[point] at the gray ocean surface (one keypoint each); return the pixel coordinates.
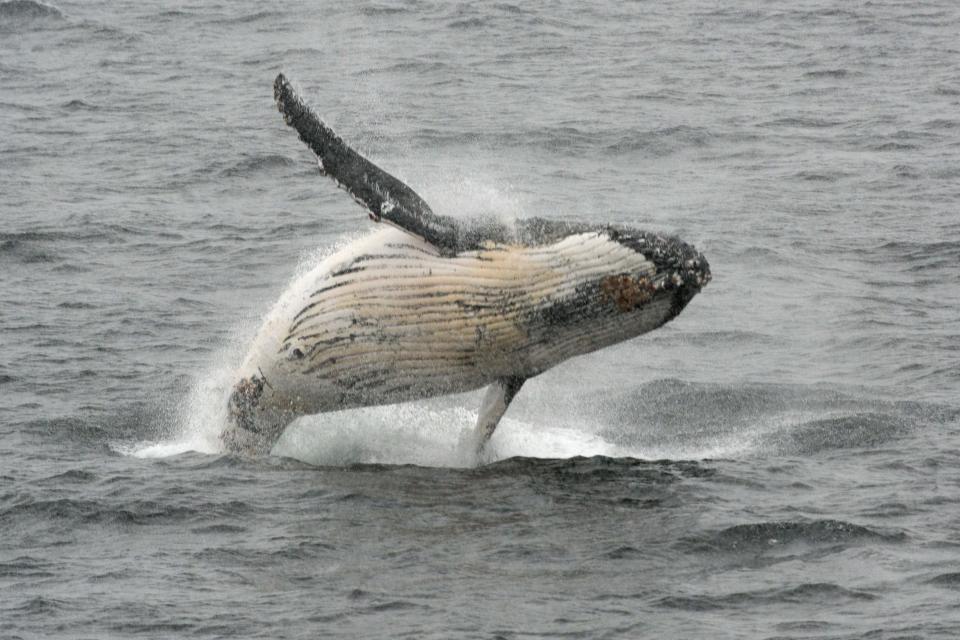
(781, 461)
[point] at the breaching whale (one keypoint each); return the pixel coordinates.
(433, 305)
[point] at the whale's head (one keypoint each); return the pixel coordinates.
(675, 271)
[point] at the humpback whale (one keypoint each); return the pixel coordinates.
(432, 305)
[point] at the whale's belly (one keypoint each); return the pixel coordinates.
(397, 322)
(387, 319)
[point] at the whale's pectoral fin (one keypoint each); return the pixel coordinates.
(384, 196)
(494, 405)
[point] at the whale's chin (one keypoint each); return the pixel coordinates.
(255, 441)
(253, 424)
(244, 443)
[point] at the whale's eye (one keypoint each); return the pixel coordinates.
(295, 354)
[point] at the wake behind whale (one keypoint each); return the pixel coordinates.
(434, 306)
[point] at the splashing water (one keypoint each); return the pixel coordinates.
(429, 432)
(470, 194)
(397, 434)
(423, 434)
(200, 417)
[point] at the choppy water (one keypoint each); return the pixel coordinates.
(781, 461)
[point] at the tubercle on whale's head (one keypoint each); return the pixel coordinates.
(691, 275)
(688, 273)
(676, 263)
(687, 267)
(696, 270)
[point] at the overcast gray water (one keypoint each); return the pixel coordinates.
(782, 461)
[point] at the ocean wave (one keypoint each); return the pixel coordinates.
(807, 594)
(597, 468)
(385, 9)
(41, 606)
(249, 18)
(915, 249)
(257, 164)
(819, 176)
(761, 537)
(25, 108)
(303, 550)
(79, 105)
(69, 477)
(109, 232)
(843, 432)
(883, 147)
(468, 23)
(917, 256)
(24, 252)
(942, 123)
(27, 10)
(948, 580)
(134, 512)
(510, 8)
(219, 528)
(575, 137)
(664, 140)
(828, 73)
(747, 419)
(26, 567)
(802, 122)
(423, 68)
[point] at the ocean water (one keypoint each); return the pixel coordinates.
(781, 461)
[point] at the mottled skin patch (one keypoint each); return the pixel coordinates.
(627, 292)
(244, 399)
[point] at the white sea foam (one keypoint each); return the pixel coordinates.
(433, 432)
(424, 434)
(418, 433)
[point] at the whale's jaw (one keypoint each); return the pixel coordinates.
(253, 427)
(239, 441)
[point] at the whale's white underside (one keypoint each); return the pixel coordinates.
(387, 319)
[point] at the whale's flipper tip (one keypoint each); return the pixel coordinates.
(287, 99)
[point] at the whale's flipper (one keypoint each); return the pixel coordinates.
(494, 405)
(383, 195)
